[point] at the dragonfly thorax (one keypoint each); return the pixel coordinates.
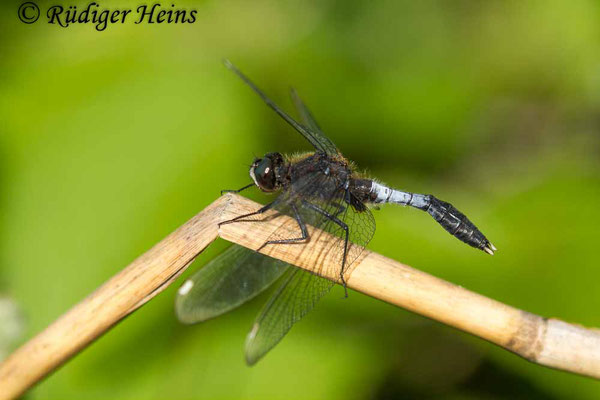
(267, 172)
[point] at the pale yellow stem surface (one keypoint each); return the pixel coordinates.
(552, 342)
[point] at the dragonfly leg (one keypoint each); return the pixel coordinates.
(340, 208)
(291, 240)
(344, 226)
(240, 218)
(237, 190)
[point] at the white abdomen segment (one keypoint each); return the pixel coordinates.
(388, 195)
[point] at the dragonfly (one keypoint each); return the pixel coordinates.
(322, 190)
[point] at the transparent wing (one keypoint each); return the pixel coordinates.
(295, 297)
(226, 282)
(315, 138)
(301, 290)
(322, 201)
(309, 121)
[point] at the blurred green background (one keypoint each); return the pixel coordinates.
(110, 140)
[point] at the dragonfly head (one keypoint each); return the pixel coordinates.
(264, 172)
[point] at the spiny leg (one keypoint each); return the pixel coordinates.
(343, 225)
(237, 190)
(239, 218)
(303, 230)
(341, 208)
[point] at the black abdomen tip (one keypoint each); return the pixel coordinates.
(458, 225)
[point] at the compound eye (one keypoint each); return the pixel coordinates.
(265, 176)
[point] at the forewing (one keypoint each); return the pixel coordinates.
(361, 228)
(295, 297)
(309, 121)
(229, 280)
(324, 203)
(313, 137)
(301, 290)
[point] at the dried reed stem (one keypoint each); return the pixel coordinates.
(548, 342)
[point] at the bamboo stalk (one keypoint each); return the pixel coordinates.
(548, 342)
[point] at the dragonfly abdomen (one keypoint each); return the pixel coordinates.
(452, 220)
